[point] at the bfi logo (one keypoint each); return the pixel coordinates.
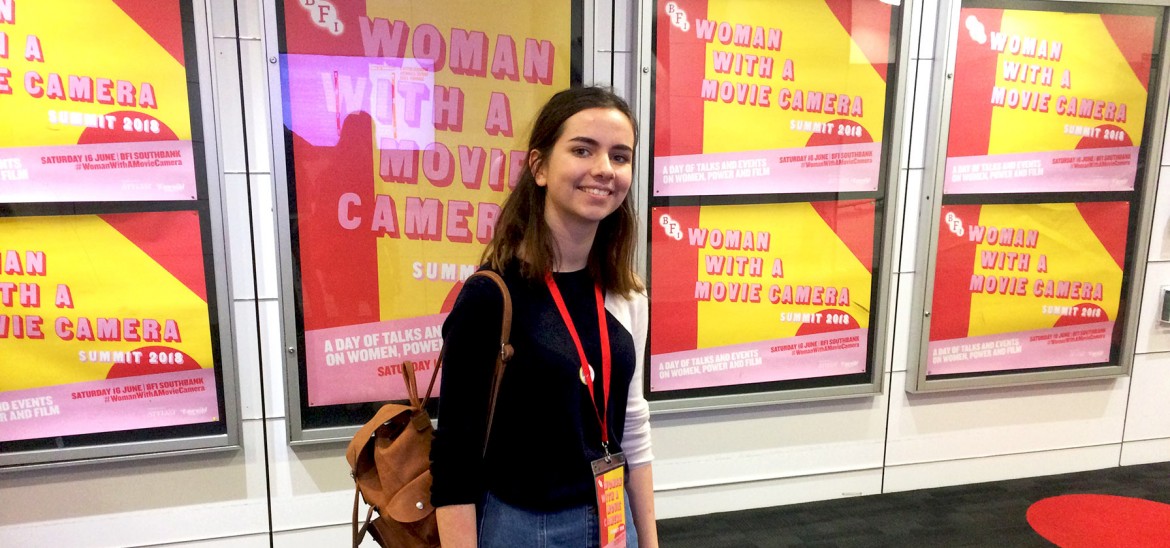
(324, 15)
(678, 17)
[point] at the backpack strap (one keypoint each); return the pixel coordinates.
(408, 375)
(501, 358)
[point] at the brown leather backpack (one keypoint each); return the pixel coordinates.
(389, 457)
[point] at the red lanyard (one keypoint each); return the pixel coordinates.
(606, 359)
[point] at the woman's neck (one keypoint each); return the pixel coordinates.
(572, 246)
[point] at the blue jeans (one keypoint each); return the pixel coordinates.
(504, 526)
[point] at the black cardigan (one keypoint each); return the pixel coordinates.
(545, 431)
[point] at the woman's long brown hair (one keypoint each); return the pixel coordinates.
(521, 230)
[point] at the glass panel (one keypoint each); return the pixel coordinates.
(1045, 160)
(770, 129)
(111, 278)
(405, 124)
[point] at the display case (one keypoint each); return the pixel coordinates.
(772, 163)
(115, 326)
(404, 126)
(1047, 131)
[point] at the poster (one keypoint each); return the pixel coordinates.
(104, 325)
(407, 123)
(767, 98)
(1048, 101)
(1022, 286)
(95, 102)
(747, 294)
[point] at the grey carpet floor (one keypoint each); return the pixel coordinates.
(977, 515)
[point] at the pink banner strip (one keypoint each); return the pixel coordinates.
(1053, 347)
(1087, 170)
(803, 357)
(361, 363)
(834, 168)
(100, 172)
(111, 405)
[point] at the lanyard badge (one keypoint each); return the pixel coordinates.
(609, 479)
(608, 471)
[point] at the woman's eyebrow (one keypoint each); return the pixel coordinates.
(593, 142)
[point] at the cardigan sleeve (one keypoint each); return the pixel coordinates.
(471, 341)
(636, 438)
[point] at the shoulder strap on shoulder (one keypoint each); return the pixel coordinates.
(502, 358)
(504, 355)
(505, 333)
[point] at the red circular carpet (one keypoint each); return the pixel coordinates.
(1101, 520)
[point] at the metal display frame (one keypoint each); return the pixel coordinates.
(879, 350)
(938, 129)
(154, 442)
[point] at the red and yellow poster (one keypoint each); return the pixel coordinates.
(408, 122)
(1021, 286)
(759, 293)
(104, 324)
(1047, 101)
(95, 102)
(769, 97)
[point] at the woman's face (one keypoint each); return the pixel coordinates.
(588, 172)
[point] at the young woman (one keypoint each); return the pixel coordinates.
(564, 244)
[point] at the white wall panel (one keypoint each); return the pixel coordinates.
(248, 541)
(625, 25)
(926, 13)
(911, 217)
(915, 27)
(625, 83)
(1160, 230)
(891, 304)
(247, 360)
(229, 109)
(317, 537)
(223, 18)
(1166, 151)
(245, 235)
(310, 484)
(918, 108)
(728, 498)
(253, 110)
(602, 45)
(1003, 421)
(249, 351)
(264, 227)
(1145, 452)
(1153, 336)
(136, 502)
(272, 348)
(999, 467)
(1148, 416)
(745, 445)
(908, 114)
(901, 327)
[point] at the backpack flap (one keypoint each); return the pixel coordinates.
(413, 502)
(362, 454)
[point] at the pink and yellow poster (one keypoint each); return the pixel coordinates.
(747, 294)
(407, 121)
(1047, 101)
(95, 102)
(1023, 286)
(766, 97)
(104, 325)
